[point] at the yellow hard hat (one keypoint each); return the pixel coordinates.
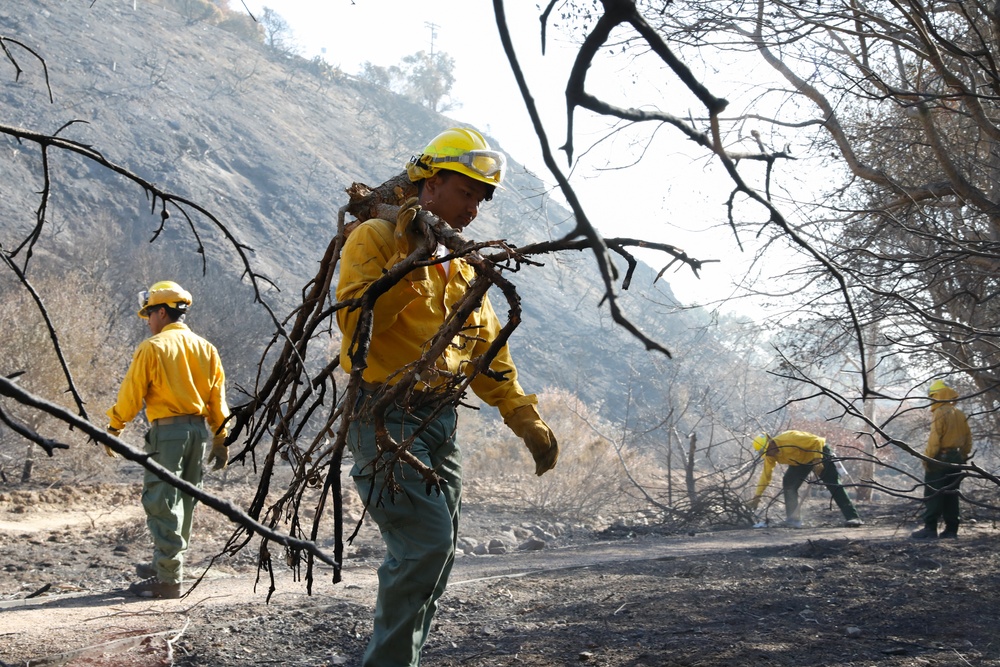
(460, 149)
(936, 386)
(164, 292)
(760, 442)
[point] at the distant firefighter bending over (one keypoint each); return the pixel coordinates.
(803, 453)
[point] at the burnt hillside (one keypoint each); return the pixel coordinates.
(268, 144)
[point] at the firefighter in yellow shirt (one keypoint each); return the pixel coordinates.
(178, 376)
(803, 453)
(454, 174)
(950, 442)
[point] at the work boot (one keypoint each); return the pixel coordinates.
(950, 531)
(854, 523)
(145, 570)
(154, 588)
(927, 532)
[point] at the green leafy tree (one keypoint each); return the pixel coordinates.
(429, 78)
(277, 33)
(424, 77)
(386, 77)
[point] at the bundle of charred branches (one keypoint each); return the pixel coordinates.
(303, 418)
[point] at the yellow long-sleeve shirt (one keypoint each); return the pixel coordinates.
(176, 372)
(949, 427)
(796, 448)
(408, 315)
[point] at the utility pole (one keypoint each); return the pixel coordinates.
(433, 27)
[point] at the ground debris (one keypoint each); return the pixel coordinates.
(769, 597)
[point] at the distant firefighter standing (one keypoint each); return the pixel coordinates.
(950, 442)
(178, 376)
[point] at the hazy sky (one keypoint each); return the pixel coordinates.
(663, 199)
(384, 31)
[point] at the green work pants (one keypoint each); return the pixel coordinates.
(796, 475)
(420, 529)
(941, 491)
(180, 448)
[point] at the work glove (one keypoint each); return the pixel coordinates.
(219, 456)
(539, 438)
(107, 450)
(753, 503)
(407, 237)
(818, 469)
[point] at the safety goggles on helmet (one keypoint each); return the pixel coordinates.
(489, 164)
(144, 306)
(166, 294)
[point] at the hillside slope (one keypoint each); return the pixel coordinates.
(268, 145)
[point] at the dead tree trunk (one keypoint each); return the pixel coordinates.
(689, 469)
(866, 469)
(29, 463)
(670, 470)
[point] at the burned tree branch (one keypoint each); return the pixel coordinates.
(4, 41)
(100, 436)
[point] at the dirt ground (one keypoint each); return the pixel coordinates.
(822, 595)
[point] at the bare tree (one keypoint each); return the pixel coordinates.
(900, 97)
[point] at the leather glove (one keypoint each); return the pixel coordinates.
(818, 469)
(753, 503)
(539, 438)
(107, 450)
(219, 456)
(407, 238)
